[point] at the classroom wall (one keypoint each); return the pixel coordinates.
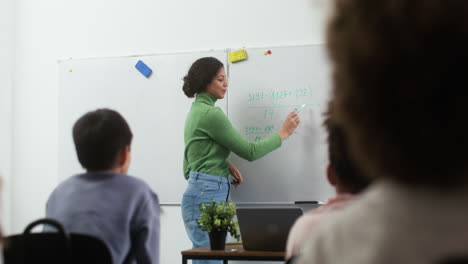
(7, 10)
(52, 29)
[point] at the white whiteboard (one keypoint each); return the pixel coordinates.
(154, 107)
(263, 90)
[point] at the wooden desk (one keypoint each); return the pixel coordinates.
(232, 252)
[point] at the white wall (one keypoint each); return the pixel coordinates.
(7, 9)
(51, 29)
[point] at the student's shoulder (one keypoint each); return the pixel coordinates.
(140, 191)
(69, 181)
(338, 233)
(66, 186)
(133, 182)
(140, 184)
(330, 236)
(307, 221)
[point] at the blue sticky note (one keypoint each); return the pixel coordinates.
(143, 68)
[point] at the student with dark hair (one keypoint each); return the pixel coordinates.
(399, 73)
(347, 180)
(209, 139)
(105, 202)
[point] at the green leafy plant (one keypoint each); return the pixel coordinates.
(219, 217)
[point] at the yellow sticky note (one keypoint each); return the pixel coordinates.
(237, 55)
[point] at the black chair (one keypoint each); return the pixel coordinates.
(51, 248)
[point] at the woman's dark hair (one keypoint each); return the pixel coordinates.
(99, 136)
(200, 74)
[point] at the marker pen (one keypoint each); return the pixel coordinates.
(300, 108)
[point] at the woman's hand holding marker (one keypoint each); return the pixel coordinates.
(290, 124)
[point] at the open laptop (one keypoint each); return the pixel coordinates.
(266, 229)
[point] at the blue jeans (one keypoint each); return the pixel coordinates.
(201, 189)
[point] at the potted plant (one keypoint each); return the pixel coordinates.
(217, 220)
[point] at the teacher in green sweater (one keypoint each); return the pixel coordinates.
(209, 139)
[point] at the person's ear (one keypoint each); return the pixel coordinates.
(122, 156)
(331, 175)
(124, 159)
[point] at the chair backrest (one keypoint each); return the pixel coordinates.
(52, 248)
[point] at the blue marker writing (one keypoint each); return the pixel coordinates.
(300, 108)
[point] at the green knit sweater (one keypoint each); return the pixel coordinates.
(210, 137)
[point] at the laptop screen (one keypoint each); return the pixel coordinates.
(266, 229)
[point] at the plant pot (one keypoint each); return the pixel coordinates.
(218, 240)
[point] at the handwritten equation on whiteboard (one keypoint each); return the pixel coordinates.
(269, 106)
(278, 96)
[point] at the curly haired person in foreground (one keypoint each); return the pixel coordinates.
(399, 77)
